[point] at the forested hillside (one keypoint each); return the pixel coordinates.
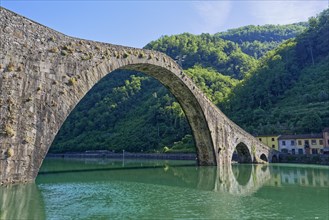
(284, 91)
(289, 91)
(256, 41)
(205, 50)
(125, 110)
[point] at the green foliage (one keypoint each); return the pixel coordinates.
(136, 114)
(186, 145)
(256, 41)
(288, 92)
(216, 86)
(207, 51)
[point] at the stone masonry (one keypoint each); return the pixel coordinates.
(44, 74)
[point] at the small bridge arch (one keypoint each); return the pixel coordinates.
(243, 153)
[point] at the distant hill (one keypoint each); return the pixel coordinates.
(257, 40)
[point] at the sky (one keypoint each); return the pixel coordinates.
(135, 23)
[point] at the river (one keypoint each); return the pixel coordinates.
(161, 189)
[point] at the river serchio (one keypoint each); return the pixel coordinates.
(161, 189)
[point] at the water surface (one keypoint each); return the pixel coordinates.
(142, 189)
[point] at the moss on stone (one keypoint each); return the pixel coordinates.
(72, 81)
(10, 152)
(9, 131)
(10, 67)
(53, 50)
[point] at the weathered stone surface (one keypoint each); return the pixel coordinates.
(44, 74)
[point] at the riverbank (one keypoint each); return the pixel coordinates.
(283, 158)
(321, 159)
(106, 154)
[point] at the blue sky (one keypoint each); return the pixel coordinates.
(135, 23)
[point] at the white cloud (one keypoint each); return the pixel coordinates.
(285, 12)
(213, 14)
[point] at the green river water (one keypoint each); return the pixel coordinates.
(160, 189)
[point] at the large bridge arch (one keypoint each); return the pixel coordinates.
(44, 74)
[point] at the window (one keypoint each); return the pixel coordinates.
(314, 151)
(272, 139)
(313, 142)
(320, 142)
(273, 146)
(260, 139)
(300, 151)
(306, 143)
(284, 151)
(292, 143)
(284, 143)
(299, 142)
(293, 151)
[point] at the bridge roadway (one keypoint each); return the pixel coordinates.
(44, 74)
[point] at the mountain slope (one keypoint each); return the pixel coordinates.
(288, 92)
(207, 51)
(256, 41)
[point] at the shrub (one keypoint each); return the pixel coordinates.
(166, 149)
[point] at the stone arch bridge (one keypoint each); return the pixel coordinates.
(44, 74)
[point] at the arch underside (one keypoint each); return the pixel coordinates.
(182, 93)
(190, 105)
(263, 157)
(243, 153)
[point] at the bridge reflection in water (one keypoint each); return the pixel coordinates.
(22, 201)
(18, 201)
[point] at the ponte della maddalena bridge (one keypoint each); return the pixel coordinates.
(44, 74)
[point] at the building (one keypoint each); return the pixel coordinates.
(288, 144)
(269, 140)
(301, 144)
(325, 134)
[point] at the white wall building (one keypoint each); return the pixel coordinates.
(288, 144)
